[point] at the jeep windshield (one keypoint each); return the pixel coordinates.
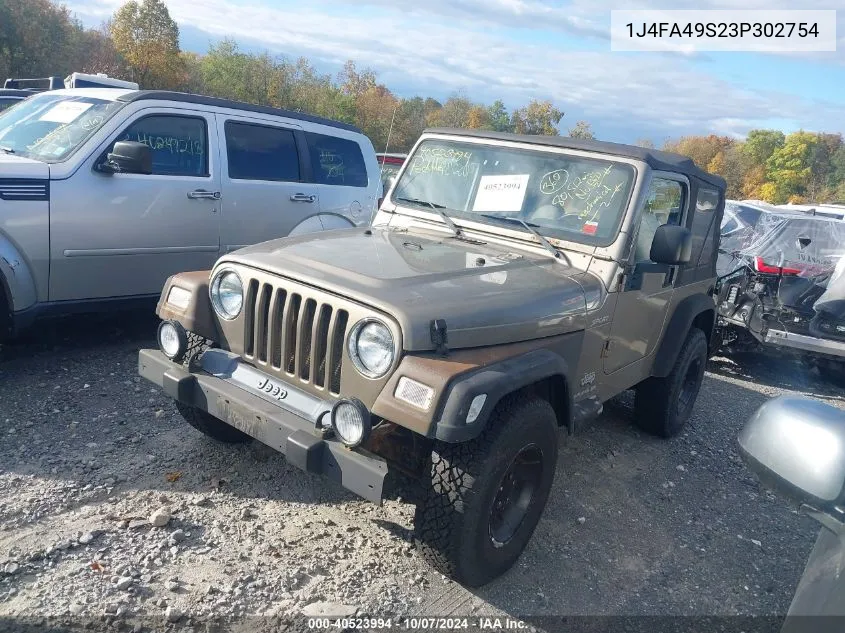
(563, 196)
(50, 127)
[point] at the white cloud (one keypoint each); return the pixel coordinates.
(650, 92)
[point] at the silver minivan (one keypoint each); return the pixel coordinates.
(105, 193)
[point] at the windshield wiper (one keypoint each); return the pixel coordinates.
(438, 208)
(530, 228)
(8, 150)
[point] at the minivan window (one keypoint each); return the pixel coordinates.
(50, 127)
(336, 161)
(179, 143)
(261, 152)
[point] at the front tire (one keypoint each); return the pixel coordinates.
(484, 497)
(208, 425)
(663, 405)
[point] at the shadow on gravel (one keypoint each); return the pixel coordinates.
(84, 332)
(781, 372)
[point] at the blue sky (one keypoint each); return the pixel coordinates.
(521, 49)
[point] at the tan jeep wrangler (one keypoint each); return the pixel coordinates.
(508, 286)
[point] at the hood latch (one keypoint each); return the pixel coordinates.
(439, 336)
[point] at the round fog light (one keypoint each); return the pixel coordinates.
(351, 421)
(172, 339)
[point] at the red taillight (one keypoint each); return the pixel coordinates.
(763, 267)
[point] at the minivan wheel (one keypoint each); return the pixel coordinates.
(483, 499)
(207, 424)
(663, 405)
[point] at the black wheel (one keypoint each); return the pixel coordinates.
(663, 405)
(484, 497)
(206, 423)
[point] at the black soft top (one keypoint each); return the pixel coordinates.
(655, 158)
(184, 97)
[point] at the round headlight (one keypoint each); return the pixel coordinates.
(172, 339)
(227, 294)
(351, 421)
(371, 348)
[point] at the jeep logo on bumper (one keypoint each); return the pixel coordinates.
(272, 389)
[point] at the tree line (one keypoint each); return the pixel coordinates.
(140, 42)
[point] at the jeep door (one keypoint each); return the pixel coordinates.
(643, 301)
(266, 181)
(122, 234)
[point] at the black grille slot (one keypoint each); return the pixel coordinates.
(262, 322)
(337, 334)
(289, 332)
(276, 318)
(249, 318)
(306, 335)
(321, 344)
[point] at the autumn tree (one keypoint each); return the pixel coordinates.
(788, 169)
(454, 113)
(582, 129)
(538, 117)
(148, 39)
(761, 144)
(644, 142)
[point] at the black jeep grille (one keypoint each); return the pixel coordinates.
(294, 334)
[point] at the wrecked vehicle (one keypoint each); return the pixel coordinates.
(781, 285)
(508, 287)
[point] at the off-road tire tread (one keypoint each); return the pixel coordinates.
(207, 424)
(452, 487)
(655, 400)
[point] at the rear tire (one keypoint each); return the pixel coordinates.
(207, 424)
(484, 497)
(663, 405)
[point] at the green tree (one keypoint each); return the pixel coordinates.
(148, 39)
(497, 115)
(538, 117)
(789, 169)
(582, 129)
(761, 144)
(37, 39)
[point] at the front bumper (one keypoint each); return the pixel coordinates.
(291, 434)
(805, 343)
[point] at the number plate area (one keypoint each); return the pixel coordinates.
(228, 366)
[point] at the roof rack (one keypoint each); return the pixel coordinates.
(74, 80)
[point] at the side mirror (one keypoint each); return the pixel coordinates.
(796, 446)
(671, 245)
(129, 157)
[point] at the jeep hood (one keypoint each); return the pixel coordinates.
(486, 294)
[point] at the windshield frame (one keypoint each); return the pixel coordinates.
(485, 225)
(58, 97)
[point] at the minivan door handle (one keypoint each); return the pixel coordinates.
(202, 193)
(303, 197)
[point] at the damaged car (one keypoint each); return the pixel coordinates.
(781, 285)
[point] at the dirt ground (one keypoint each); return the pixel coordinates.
(90, 452)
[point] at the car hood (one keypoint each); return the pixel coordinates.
(486, 294)
(13, 166)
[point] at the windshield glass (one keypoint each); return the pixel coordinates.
(50, 127)
(563, 196)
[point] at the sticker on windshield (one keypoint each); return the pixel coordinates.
(590, 228)
(65, 112)
(501, 193)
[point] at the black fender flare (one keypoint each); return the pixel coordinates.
(497, 380)
(677, 329)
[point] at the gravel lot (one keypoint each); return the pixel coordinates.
(91, 455)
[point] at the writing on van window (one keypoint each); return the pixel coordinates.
(590, 187)
(171, 144)
(446, 161)
(331, 163)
